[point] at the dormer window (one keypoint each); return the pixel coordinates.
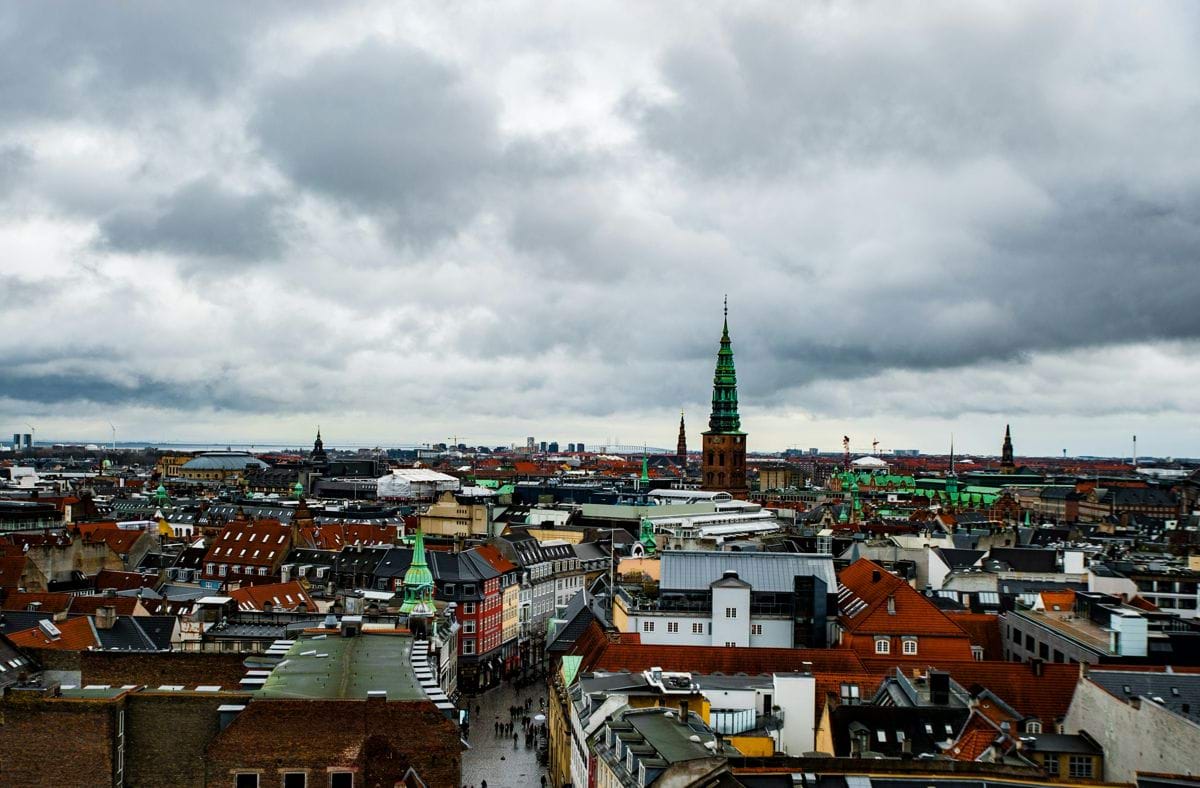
(1033, 726)
(883, 646)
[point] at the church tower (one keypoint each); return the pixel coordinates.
(723, 465)
(418, 590)
(1006, 454)
(681, 444)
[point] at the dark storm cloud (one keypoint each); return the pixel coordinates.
(85, 387)
(64, 59)
(203, 219)
(387, 129)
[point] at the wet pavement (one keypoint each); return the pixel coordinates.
(492, 757)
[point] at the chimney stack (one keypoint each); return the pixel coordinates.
(1037, 665)
(106, 616)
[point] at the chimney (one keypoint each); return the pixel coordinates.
(106, 617)
(683, 711)
(892, 605)
(1037, 665)
(875, 576)
(939, 688)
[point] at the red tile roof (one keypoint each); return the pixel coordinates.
(47, 603)
(983, 629)
(913, 613)
(495, 559)
(718, 659)
(256, 543)
(76, 634)
(88, 605)
(335, 536)
(282, 596)
(11, 569)
(974, 739)
(1046, 697)
(123, 581)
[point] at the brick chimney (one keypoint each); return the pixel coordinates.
(106, 616)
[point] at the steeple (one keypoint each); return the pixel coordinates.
(725, 418)
(645, 469)
(1006, 453)
(418, 582)
(681, 444)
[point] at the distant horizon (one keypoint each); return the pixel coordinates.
(277, 445)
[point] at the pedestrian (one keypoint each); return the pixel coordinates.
(483, 784)
(514, 741)
(543, 781)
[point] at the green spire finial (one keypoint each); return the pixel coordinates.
(645, 469)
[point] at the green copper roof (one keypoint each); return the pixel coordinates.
(645, 470)
(570, 669)
(725, 416)
(418, 581)
(336, 667)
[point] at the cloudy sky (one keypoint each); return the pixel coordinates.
(415, 221)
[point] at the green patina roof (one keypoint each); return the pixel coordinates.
(418, 580)
(570, 669)
(354, 666)
(725, 418)
(491, 484)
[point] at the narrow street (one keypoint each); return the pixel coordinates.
(492, 757)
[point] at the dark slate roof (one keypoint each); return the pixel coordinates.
(1175, 689)
(126, 634)
(922, 725)
(21, 620)
(959, 559)
(1138, 496)
(1062, 742)
(395, 562)
(1025, 559)
(158, 629)
(308, 555)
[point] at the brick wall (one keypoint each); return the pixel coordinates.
(377, 739)
(153, 670)
(166, 736)
(59, 742)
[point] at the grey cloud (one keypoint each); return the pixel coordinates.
(144, 390)
(63, 59)
(203, 219)
(387, 129)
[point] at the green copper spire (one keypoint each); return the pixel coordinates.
(645, 470)
(725, 416)
(418, 582)
(298, 489)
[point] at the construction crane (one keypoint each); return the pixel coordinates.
(875, 447)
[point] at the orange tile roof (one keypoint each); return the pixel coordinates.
(76, 634)
(123, 581)
(1058, 600)
(88, 605)
(974, 739)
(494, 558)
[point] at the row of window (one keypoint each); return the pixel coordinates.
(884, 645)
(698, 628)
(222, 569)
(1077, 766)
(296, 780)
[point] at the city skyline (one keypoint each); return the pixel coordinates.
(408, 222)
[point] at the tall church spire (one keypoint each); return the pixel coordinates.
(723, 460)
(725, 416)
(681, 444)
(1006, 453)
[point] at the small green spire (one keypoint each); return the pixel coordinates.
(298, 489)
(418, 581)
(645, 470)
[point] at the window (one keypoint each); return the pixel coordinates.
(730, 644)
(977, 653)
(245, 781)
(698, 628)
(468, 608)
(1033, 726)
(221, 571)
(262, 570)
(1079, 766)
(1051, 764)
(883, 646)
(341, 780)
(672, 627)
(647, 626)
(910, 646)
(756, 629)
(210, 569)
(850, 692)
(469, 627)
(468, 646)
(448, 590)
(731, 612)
(295, 780)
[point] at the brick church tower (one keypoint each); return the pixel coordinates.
(723, 464)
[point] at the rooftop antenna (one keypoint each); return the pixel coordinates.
(952, 454)
(1135, 451)
(875, 446)
(32, 435)
(114, 435)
